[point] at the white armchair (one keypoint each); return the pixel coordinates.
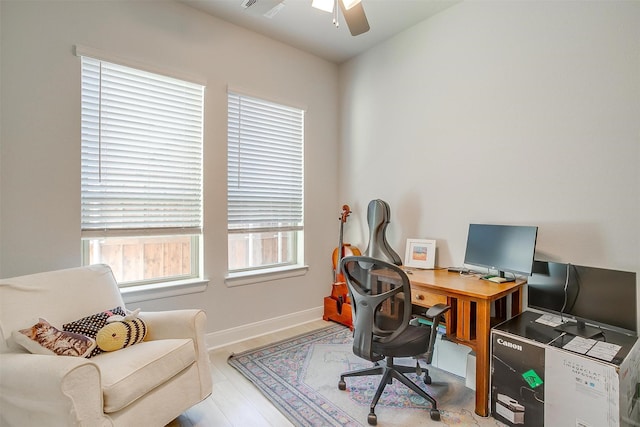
(149, 383)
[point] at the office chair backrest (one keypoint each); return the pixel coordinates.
(381, 302)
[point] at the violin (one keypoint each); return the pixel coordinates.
(339, 291)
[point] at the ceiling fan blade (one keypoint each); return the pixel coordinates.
(356, 19)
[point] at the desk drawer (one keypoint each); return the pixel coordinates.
(427, 299)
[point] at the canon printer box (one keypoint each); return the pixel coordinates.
(517, 381)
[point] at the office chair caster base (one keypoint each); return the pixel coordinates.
(372, 419)
(434, 414)
(342, 385)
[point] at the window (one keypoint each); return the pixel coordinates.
(265, 185)
(141, 190)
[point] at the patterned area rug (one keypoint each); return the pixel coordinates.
(300, 377)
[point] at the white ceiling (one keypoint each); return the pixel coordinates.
(312, 30)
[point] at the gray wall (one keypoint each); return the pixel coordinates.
(502, 112)
(40, 137)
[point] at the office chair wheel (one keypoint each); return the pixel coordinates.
(434, 414)
(342, 385)
(427, 379)
(372, 419)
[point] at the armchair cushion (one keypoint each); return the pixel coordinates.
(132, 372)
(43, 338)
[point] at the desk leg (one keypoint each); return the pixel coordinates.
(516, 302)
(451, 317)
(464, 328)
(482, 357)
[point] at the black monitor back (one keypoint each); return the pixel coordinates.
(593, 294)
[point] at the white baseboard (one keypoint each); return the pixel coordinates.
(264, 327)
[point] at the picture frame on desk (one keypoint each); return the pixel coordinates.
(420, 253)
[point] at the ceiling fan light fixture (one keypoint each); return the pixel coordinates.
(348, 4)
(352, 11)
(325, 5)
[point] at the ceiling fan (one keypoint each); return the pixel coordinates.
(352, 11)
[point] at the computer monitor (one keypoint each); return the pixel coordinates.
(505, 248)
(585, 294)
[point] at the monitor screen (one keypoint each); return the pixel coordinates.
(596, 295)
(501, 247)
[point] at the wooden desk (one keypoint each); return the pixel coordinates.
(469, 320)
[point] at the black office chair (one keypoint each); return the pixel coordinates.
(383, 326)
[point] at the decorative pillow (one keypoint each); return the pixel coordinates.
(90, 325)
(117, 335)
(43, 338)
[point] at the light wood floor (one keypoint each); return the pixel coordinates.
(235, 402)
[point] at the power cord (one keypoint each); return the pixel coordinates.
(535, 394)
(566, 286)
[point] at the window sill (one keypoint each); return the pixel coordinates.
(139, 293)
(247, 278)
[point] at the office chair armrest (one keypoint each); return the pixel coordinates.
(436, 311)
(433, 314)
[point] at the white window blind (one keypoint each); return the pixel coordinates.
(141, 152)
(265, 165)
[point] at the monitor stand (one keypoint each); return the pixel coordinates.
(499, 278)
(579, 329)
